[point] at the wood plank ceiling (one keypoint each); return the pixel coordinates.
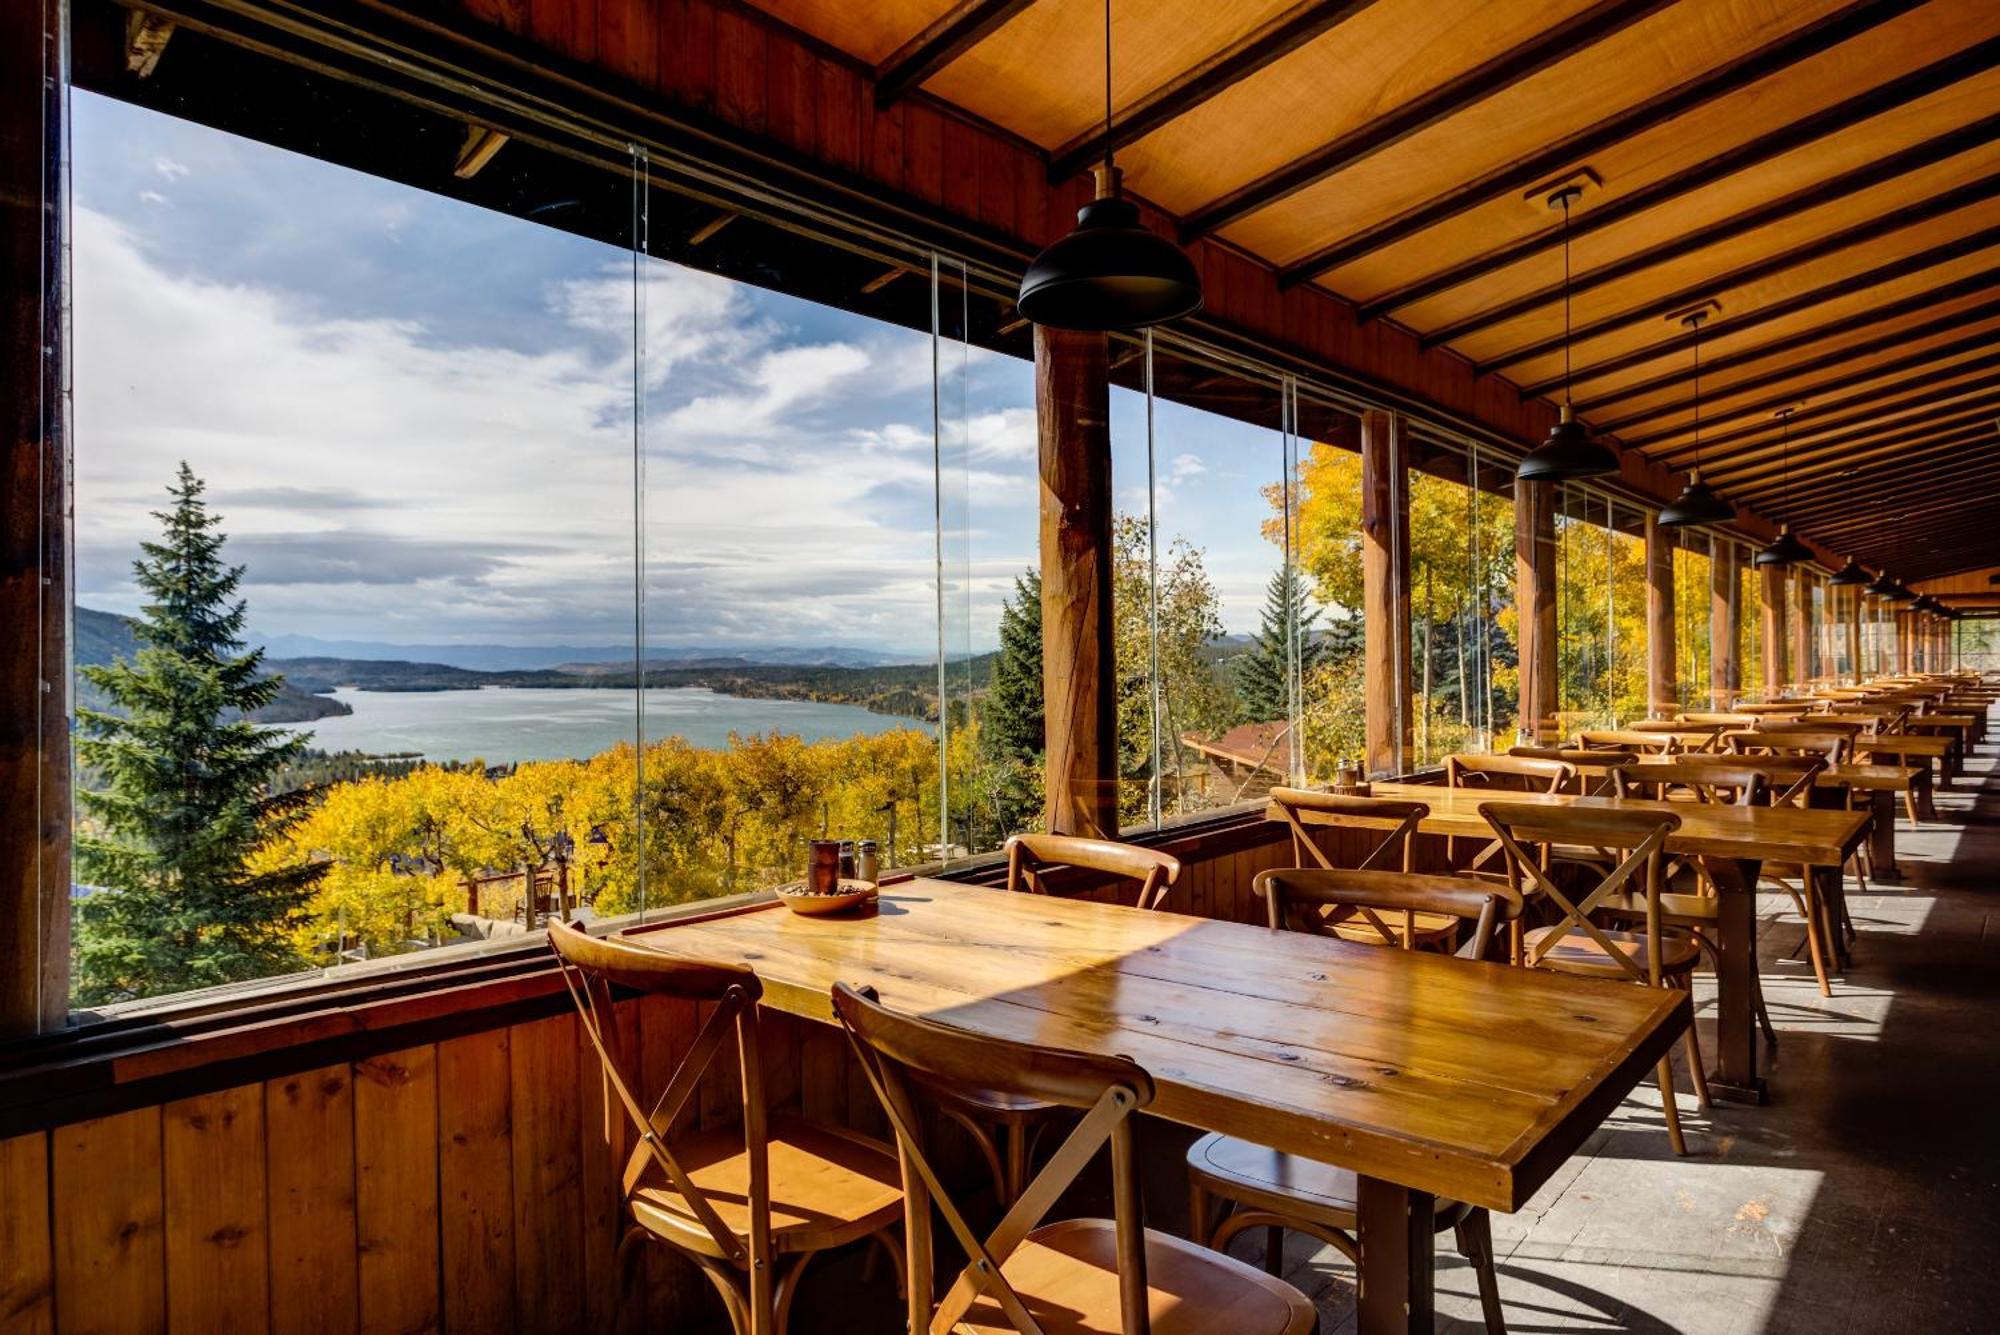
(1822, 175)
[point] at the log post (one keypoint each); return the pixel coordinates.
(1853, 596)
(1079, 684)
(1663, 695)
(1804, 660)
(34, 573)
(1535, 598)
(1771, 591)
(1725, 625)
(1385, 594)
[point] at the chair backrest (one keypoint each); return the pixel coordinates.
(1711, 784)
(1639, 835)
(1625, 739)
(1831, 746)
(1397, 820)
(1787, 779)
(592, 967)
(1508, 773)
(1029, 857)
(1315, 900)
(1814, 723)
(905, 1056)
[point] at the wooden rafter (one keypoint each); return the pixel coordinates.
(961, 28)
(1895, 310)
(1467, 89)
(1189, 89)
(1766, 459)
(1820, 477)
(1908, 265)
(1787, 138)
(1813, 196)
(146, 37)
(1955, 467)
(481, 144)
(1927, 361)
(1526, 172)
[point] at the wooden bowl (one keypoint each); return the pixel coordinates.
(851, 894)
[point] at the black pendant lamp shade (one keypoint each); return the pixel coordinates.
(1848, 575)
(1568, 453)
(1882, 586)
(1697, 503)
(1783, 550)
(1110, 272)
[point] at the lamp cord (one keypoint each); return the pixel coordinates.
(1109, 151)
(1695, 320)
(1567, 402)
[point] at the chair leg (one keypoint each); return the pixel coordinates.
(1815, 944)
(1475, 1244)
(1274, 1252)
(1017, 1165)
(1198, 1208)
(1665, 1071)
(1695, 1072)
(1763, 1011)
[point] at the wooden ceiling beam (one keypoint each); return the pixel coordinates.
(1667, 304)
(1545, 48)
(1878, 454)
(1855, 432)
(1921, 262)
(1787, 138)
(1905, 214)
(1924, 358)
(1187, 90)
(962, 27)
(1836, 357)
(1849, 21)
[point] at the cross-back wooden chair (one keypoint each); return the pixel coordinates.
(1578, 759)
(1576, 944)
(1832, 745)
(1031, 856)
(749, 1204)
(1026, 1277)
(1688, 899)
(1006, 1128)
(1259, 1187)
(1394, 820)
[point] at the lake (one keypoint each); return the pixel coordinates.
(504, 724)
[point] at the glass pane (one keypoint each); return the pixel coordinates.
(386, 443)
(1627, 597)
(1461, 549)
(1750, 626)
(1693, 570)
(1583, 610)
(1326, 537)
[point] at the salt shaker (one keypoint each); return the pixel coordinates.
(868, 862)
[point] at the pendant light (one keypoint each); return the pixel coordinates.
(1882, 586)
(1850, 574)
(1110, 272)
(1784, 550)
(1568, 452)
(1697, 503)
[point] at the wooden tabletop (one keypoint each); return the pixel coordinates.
(1468, 1079)
(1817, 837)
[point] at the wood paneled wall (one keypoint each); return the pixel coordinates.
(465, 1185)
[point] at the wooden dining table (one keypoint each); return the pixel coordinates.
(1732, 843)
(1427, 1076)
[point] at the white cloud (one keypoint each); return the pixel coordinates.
(168, 169)
(152, 197)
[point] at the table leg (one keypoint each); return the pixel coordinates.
(1882, 837)
(1735, 1077)
(1397, 1251)
(1926, 796)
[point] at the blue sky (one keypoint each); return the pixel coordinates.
(417, 419)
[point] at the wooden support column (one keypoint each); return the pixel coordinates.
(34, 574)
(1535, 597)
(1771, 591)
(1804, 661)
(1725, 627)
(1385, 594)
(1079, 683)
(1853, 597)
(1663, 696)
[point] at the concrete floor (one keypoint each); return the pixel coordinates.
(1863, 1198)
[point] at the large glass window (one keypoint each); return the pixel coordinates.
(1693, 569)
(1461, 592)
(1750, 625)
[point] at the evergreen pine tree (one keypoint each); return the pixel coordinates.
(1013, 724)
(184, 799)
(1261, 677)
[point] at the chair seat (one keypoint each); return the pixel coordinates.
(1578, 952)
(1067, 1276)
(1266, 1179)
(828, 1187)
